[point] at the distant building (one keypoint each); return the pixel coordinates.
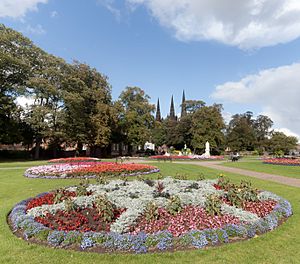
(172, 115)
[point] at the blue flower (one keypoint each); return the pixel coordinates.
(55, 238)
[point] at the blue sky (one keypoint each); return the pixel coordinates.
(238, 54)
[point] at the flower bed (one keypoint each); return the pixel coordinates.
(74, 160)
(282, 161)
(190, 157)
(88, 170)
(148, 215)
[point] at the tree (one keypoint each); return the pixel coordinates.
(281, 142)
(240, 132)
(46, 114)
(208, 125)
(136, 119)
(262, 128)
(193, 105)
(17, 62)
(158, 133)
(87, 106)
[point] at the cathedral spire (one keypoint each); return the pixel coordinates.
(183, 106)
(158, 115)
(172, 110)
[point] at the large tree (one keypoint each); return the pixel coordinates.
(240, 132)
(281, 142)
(87, 105)
(45, 115)
(18, 56)
(136, 119)
(208, 125)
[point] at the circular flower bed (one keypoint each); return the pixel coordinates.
(148, 215)
(190, 157)
(88, 170)
(74, 160)
(282, 161)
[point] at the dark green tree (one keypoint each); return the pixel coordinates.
(281, 142)
(88, 107)
(208, 125)
(137, 118)
(240, 132)
(46, 114)
(262, 127)
(17, 63)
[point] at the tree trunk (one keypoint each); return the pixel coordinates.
(38, 142)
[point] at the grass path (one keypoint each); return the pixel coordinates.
(279, 246)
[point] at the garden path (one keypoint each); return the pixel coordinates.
(260, 175)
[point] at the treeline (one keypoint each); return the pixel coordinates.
(203, 123)
(72, 104)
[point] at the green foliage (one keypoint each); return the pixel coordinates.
(101, 178)
(279, 142)
(136, 119)
(213, 205)
(278, 153)
(69, 204)
(240, 133)
(151, 212)
(207, 125)
(180, 176)
(224, 182)
(200, 176)
(58, 196)
(42, 235)
(105, 208)
(235, 197)
(248, 192)
(18, 58)
(82, 187)
(237, 194)
(87, 99)
(174, 206)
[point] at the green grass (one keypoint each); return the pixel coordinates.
(279, 246)
(257, 165)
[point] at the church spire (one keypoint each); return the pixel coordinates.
(172, 110)
(158, 115)
(183, 106)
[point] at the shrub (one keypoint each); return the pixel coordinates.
(213, 205)
(174, 206)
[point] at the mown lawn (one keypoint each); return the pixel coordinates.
(257, 165)
(279, 246)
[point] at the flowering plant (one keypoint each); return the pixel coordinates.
(187, 157)
(74, 159)
(88, 170)
(282, 161)
(128, 216)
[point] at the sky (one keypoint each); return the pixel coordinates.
(243, 54)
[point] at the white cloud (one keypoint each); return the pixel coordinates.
(275, 90)
(247, 24)
(53, 14)
(109, 5)
(38, 29)
(18, 8)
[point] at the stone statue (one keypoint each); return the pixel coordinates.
(207, 150)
